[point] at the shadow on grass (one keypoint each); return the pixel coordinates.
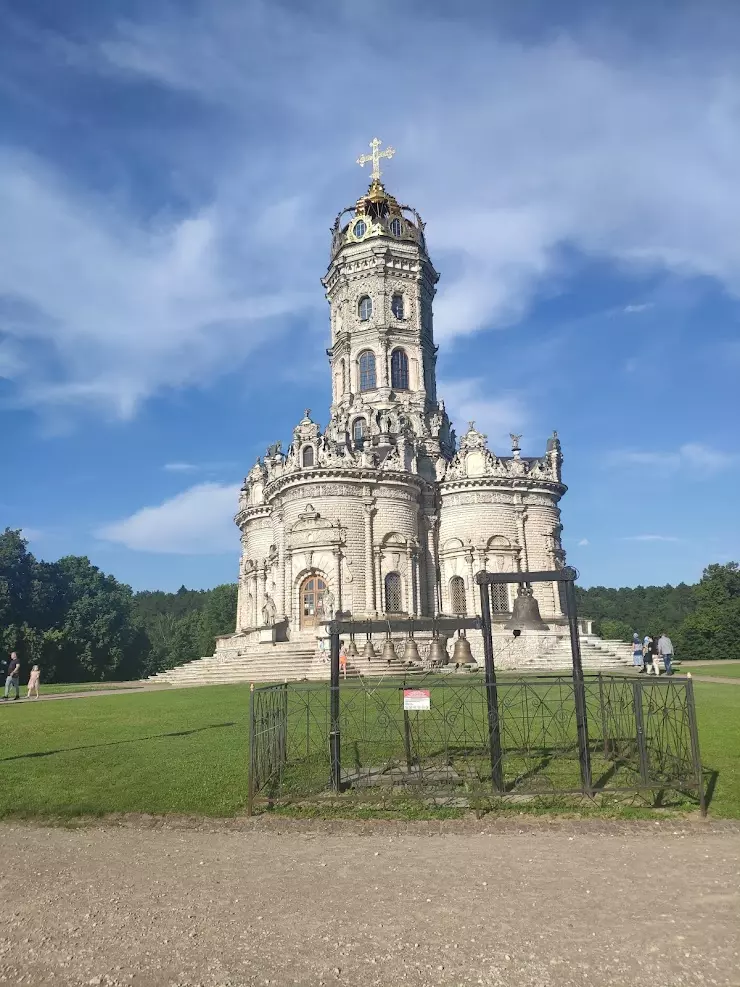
(711, 782)
(117, 743)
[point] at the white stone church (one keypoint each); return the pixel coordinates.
(384, 512)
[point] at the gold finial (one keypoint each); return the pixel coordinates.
(375, 158)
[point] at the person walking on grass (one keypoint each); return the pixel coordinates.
(33, 682)
(665, 650)
(637, 652)
(14, 676)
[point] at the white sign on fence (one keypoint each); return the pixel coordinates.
(416, 699)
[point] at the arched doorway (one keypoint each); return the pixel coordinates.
(312, 592)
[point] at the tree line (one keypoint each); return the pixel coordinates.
(80, 624)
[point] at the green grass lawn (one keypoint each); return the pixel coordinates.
(58, 688)
(719, 671)
(185, 751)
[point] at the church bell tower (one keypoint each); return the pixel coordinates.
(380, 286)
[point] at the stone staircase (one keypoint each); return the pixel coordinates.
(293, 661)
(597, 655)
(299, 660)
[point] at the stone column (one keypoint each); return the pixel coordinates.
(288, 596)
(385, 379)
(338, 578)
(280, 581)
(434, 576)
(474, 604)
(521, 518)
(261, 589)
(369, 506)
(380, 593)
(411, 601)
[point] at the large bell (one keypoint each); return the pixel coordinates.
(526, 613)
(368, 651)
(462, 655)
(352, 651)
(411, 653)
(389, 651)
(438, 652)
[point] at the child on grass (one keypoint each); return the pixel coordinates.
(33, 682)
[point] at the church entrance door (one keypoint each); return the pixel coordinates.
(313, 590)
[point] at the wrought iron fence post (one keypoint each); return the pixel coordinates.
(640, 731)
(602, 712)
(694, 733)
(494, 724)
(334, 739)
(407, 740)
(250, 759)
(579, 687)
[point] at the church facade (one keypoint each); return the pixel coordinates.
(384, 511)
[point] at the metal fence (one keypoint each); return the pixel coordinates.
(642, 741)
(450, 739)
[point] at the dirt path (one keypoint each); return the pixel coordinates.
(574, 905)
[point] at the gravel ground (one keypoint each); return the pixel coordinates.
(283, 903)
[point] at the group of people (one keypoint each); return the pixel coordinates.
(646, 654)
(13, 679)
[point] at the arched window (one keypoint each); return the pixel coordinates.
(308, 456)
(365, 307)
(393, 592)
(359, 229)
(367, 371)
(397, 306)
(395, 227)
(457, 595)
(358, 432)
(399, 370)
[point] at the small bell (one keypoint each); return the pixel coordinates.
(352, 651)
(411, 652)
(389, 651)
(438, 652)
(368, 651)
(462, 654)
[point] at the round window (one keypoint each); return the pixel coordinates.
(360, 229)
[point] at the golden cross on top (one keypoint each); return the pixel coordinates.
(375, 157)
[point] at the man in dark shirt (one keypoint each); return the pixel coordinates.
(14, 676)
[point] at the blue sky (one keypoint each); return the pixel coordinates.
(168, 175)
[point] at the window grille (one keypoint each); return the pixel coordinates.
(365, 308)
(395, 227)
(393, 592)
(457, 595)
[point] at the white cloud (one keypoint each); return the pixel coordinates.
(692, 457)
(583, 543)
(180, 467)
(650, 538)
(635, 308)
(467, 400)
(512, 150)
(198, 521)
